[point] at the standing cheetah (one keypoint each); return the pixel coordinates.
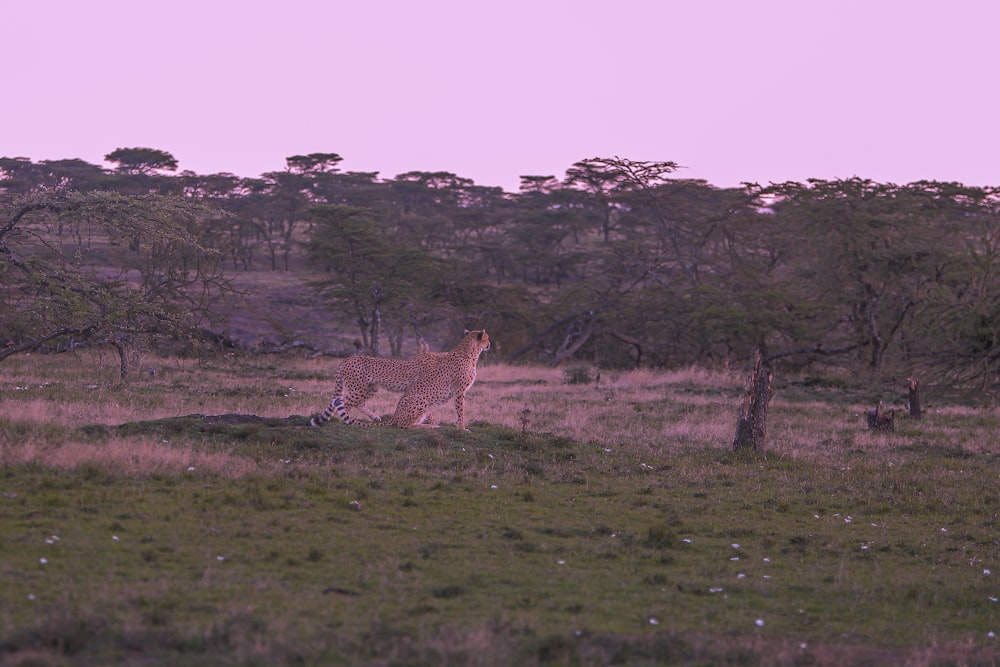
(440, 377)
(361, 376)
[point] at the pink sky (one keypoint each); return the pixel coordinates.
(735, 91)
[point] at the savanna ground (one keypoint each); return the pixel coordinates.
(598, 523)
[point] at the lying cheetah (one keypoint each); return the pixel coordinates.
(441, 376)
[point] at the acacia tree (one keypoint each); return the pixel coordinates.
(281, 200)
(325, 163)
(960, 317)
(607, 179)
(868, 257)
(369, 275)
(21, 175)
(142, 161)
(90, 290)
(671, 259)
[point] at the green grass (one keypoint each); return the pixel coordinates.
(419, 547)
(498, 546)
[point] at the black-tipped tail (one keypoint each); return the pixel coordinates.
(337, 405)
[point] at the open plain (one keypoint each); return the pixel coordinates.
(191, 516)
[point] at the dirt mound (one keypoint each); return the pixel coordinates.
(231, 419)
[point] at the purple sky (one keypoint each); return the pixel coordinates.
(740, 90)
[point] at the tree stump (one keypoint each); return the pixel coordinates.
(880, 420)
(914, 396)
(751, 428)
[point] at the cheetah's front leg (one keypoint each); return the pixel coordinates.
(460, 410)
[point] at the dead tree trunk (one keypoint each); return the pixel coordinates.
(914, 396)
(751, 429)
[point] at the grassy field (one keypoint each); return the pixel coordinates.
(190, 516)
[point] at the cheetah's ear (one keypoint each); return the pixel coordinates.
(481, 335)
(466, 333)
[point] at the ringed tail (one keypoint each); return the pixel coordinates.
(327, 414)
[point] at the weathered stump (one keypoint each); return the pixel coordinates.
(751, 428)
(914, 396)
(880, 420)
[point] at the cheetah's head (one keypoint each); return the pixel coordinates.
(482, 338)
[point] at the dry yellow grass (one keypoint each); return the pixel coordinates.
(623, 408)
(129, 457)
(651, 413)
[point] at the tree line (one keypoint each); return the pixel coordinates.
(618, 262)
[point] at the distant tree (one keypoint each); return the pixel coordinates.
(436, 180)
(281, 200)
(92, 291)
(142, 161)
(325, 163)
(239, 230)
(606, 179)
(75, 174)
(955, 335)
(370, 275)
(425, 204)
(539, 184)
(867, 257)
(21, 175)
